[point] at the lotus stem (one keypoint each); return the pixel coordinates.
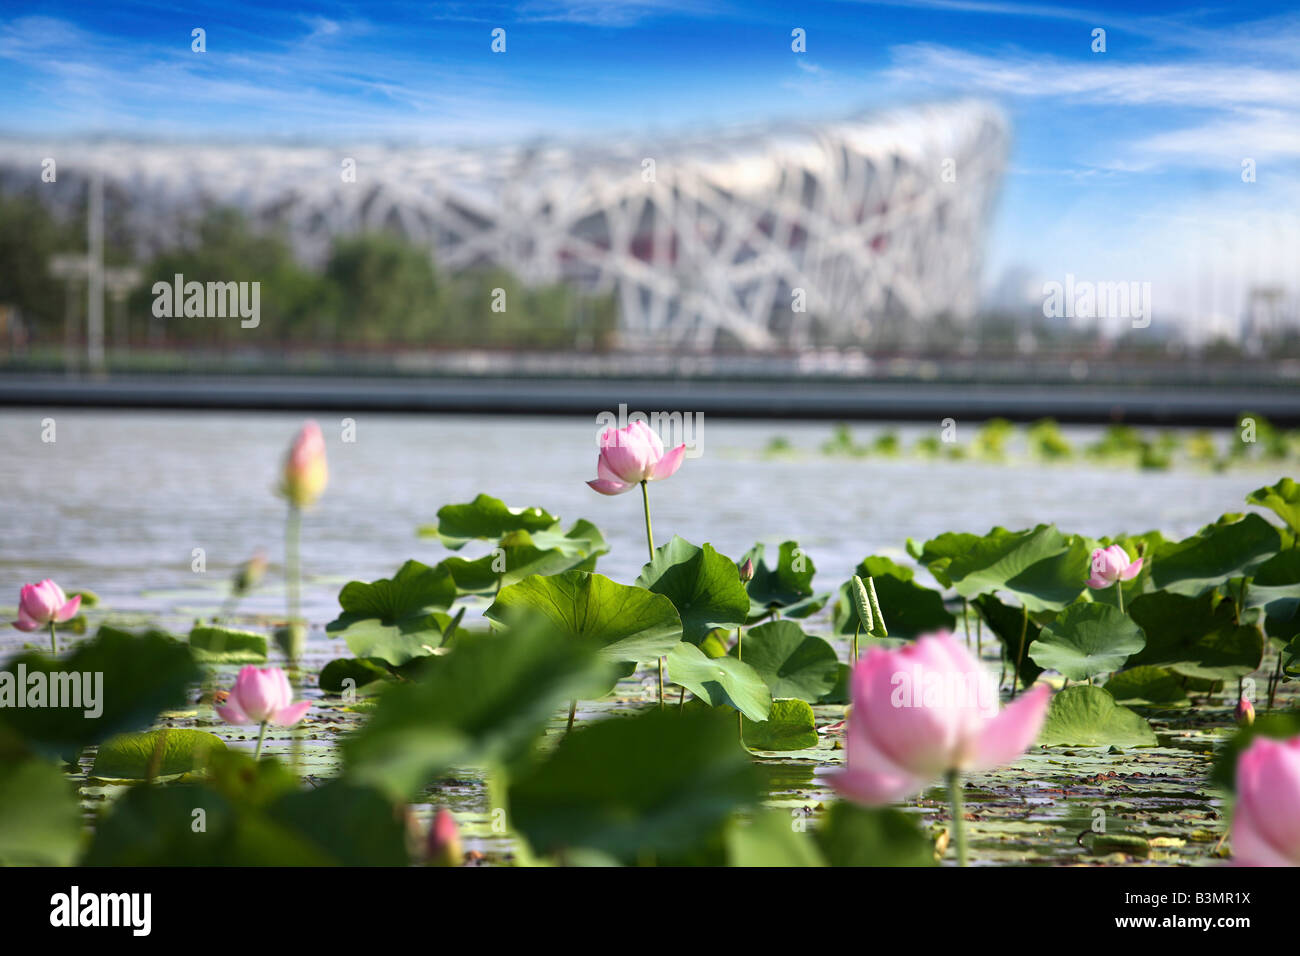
(856, 631)
(1119, 595)
(292, 572)
(261, 736)
(958, 815)
(650, 545)
(965, 619)
(573, 709)
(740, 656)
(1020, 652)
(54, 642)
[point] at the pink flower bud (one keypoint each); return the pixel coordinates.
(747, 571)
(1110, 565)
(305, 470)
(1245, 712)
(1266, 820)
(443, 847)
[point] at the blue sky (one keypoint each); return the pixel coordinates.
(1126, 164)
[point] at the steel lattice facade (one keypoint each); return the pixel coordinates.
(705, 242)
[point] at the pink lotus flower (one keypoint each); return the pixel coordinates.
(262, 695)
(1110, 565)
(631, 455)
(927, 710)
(43, 603)
(1266, 821)
(443, 846)
(305, 470)
(1245, 712)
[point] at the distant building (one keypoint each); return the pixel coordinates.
(771, 238)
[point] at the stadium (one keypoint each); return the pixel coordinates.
(779, 237)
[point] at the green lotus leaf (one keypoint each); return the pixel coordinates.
(485, 518)
(367, 675)
(519, 554)
(769, 840)
(1043, 568)
(793, 664)
(702, 584)
(637, 788)
(225, 645)
(785, 587)
(617, 622)
(483, 703)
(1087, 716)
(1147, 686)
(155, 753)
(1195, 637)
(1214, 555)
(138, 676)
(395, 619)
(40, 819)
(1006, 623)
(1087, 639)
(1283, 499)
(790, 725)
(720, 680)
(853, 835)
(1275, 587)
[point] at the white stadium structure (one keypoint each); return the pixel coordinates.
(705, 241)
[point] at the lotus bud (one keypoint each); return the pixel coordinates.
(746, 571)
(250, 573)
(862, 601)
(305, 470)
(443, 847)
(1245, 712)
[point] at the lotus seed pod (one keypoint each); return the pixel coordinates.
(862, 602)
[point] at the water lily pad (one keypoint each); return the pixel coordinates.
(1086, 716)
(793, 664)
(789, 726)
(719, 681)
(1214, 555)
(636, 788)
(937, 553)
(1087, 639)
(395, 619)
(225, 645)
(703, 585)
(156, 753)
(620, 623)
(1275, 587)
(485, 518)
(909, 609)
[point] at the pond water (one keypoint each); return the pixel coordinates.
(119, 502)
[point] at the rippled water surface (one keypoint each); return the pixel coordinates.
(119, 502)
